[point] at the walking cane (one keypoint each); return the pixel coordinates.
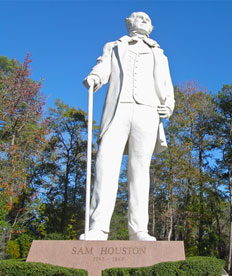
(89, 159)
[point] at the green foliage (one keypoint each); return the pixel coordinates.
(24, 241)
(197, 266)
(118, 224)
(54, 236)
(117, 272)
(62, 172)
(19, 268)
(7, 66)
(188, 199)
(203, 266)
(19, 247)
(13, 249)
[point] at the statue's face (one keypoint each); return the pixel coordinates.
(142, 23)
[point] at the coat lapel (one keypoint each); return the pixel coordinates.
(122, 49)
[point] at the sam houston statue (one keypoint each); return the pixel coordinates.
(140, 93)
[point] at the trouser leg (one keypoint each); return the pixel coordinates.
(142, 141)
(108, 163)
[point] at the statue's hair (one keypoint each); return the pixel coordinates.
(130, 22)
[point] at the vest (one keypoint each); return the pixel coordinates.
(138, 82)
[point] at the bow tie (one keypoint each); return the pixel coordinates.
(148, 41)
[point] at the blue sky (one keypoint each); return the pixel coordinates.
(65, 38)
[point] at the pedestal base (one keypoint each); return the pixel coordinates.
(95, 256)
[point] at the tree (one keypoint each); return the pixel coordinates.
(118, 225)
(182, 179)
(224, 144)
(62, 172)
(22, 138)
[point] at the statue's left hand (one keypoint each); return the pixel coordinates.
(164, 111)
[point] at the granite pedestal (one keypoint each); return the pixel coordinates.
(95, 256)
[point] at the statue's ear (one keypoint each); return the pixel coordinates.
(128, 23)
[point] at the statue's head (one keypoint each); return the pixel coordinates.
(139, 22)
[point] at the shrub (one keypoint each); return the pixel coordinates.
(20, 268)
(203, 266)
(13, 249)
(54, 236)
(24, 241)
(19, 248)
(195, 266)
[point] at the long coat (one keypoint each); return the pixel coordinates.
(110, 68)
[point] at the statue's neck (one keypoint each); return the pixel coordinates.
(137, 35)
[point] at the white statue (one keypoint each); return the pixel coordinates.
(140, 93)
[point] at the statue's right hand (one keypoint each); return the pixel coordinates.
(92, 80)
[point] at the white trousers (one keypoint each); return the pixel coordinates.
(138, 125)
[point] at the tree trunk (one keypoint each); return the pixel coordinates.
(170, 228)
(230, 248)
(65, 202)
(153, 218)
(170, 212)
(201, 220)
